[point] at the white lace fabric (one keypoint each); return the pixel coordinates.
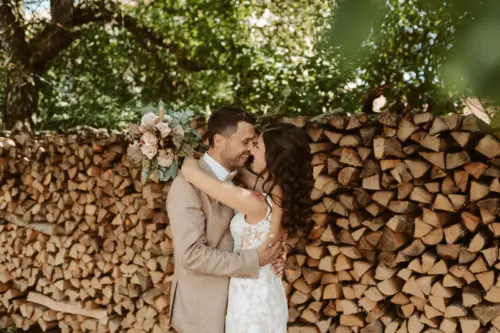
(255, 305)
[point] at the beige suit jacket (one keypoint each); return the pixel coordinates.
(204, 258)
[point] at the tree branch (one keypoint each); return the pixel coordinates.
(145, 33)
(60, 32)
(57, 36)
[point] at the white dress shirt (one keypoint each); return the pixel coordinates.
(220, 172)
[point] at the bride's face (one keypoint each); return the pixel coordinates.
(258, 151)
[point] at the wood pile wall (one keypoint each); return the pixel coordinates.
(405, 235)
(406, 227)
(84, 245)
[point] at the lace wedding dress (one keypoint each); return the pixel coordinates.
(255, 305)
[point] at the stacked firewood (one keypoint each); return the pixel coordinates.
(405, 227)
(404, 236)
(83, 244)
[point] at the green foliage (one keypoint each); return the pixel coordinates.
(273, 58)
(432, 51)
(254, 54)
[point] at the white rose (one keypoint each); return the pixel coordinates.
(179, 131)
(149, 119)
(165, 158)
(149, 150)
(164, 129)
(149, 139)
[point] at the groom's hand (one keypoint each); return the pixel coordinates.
(279, 264)
(270, 251)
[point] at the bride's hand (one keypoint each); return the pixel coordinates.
(189, 166)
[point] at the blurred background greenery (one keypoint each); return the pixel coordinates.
(66, 63)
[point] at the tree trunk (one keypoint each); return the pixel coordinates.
(21, 97)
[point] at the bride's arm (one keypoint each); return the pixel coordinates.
(251, 180)
(238, 198)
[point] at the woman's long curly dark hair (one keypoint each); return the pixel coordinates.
(288, 160)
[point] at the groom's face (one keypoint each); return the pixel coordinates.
(236, 151)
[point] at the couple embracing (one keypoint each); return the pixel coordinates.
(228, 239)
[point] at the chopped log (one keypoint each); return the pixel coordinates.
(470, 221)
(453, 121)
(384, 147)
(417, 168)
(455, 311)
(334, 137)
(488, 146)
(406, 129)
(38, 298)
(326, 184)
(419, 194)
(320, 147)
(371, 183)
(478, 191)
(338, 121)
(348, 175)
(436, 159)
(404, 190)
(350, 141)
(383, 197)
(370, 168)
(350, 157)
(471, 296)
(438, 126)
(461, 179)
(443, 203)
(469, 324)
(462, 138)
(367, 134)
(456, 160)
(448, 186)
(332, 165)
(422, 118)
(486, 312)
(475, 169)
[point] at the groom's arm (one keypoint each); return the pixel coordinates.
(190, 244)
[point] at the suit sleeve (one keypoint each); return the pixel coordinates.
(190, 244)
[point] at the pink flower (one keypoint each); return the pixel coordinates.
(164, 129)
(149, 150)
(149, 119)
(149, 139)
(178, 131)
(177, 136)
(165, 158)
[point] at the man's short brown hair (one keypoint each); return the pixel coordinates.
(224, 121)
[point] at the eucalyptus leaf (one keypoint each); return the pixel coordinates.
(174, 169)
(195, 132)
(145, 175)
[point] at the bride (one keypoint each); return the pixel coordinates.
(280, 203)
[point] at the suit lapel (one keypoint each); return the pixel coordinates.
(205, 167)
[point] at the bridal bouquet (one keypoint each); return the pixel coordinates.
(160, 142)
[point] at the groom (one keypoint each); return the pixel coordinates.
(203, 245)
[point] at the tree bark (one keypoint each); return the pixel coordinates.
(21, 97)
